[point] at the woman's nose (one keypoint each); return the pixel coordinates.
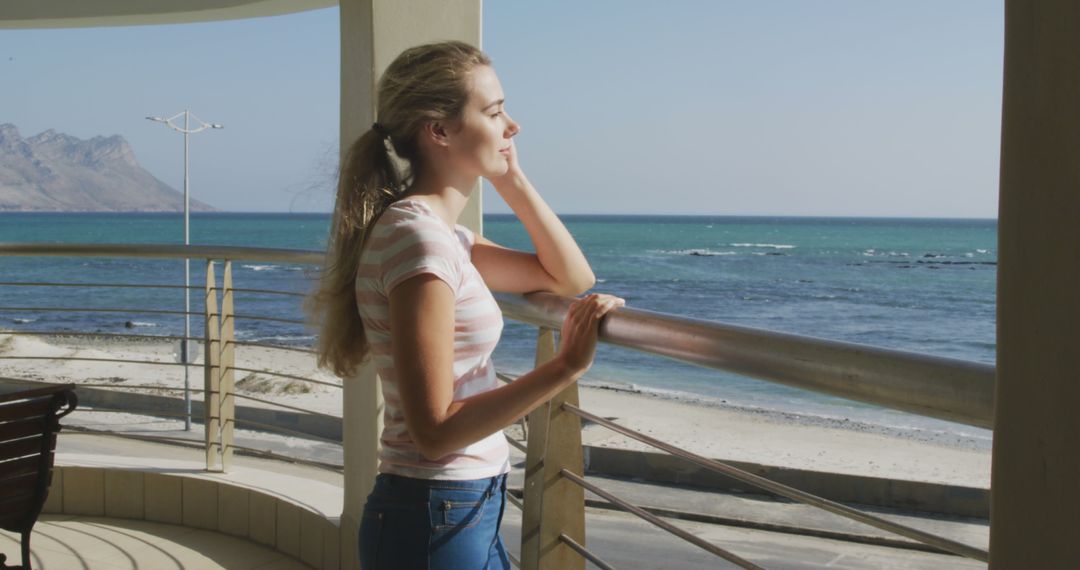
(512, 127)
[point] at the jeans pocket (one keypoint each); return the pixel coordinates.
(456, 508)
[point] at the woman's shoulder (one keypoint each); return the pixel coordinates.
(408, 222)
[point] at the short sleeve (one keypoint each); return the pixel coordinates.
(416, 246)
(466, 237)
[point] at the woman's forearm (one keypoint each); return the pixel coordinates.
(556, 249)
(474, 418)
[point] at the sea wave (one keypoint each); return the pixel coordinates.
(875, 253)
(770, 245)
(701, 252)
(23, 321)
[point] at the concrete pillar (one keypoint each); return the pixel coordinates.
(373, 33)
(1035, 497)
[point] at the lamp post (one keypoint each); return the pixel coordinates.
(185, 352)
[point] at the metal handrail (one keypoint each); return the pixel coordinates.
(78, 334)
(517, 445)
(285, 406)
(136, 411)
(573, 544)
(266, 291)
(283, 375)
(69, 284)
(88, 359)
(283, 429)
(99, 310)
(515, 501)
(143, 286)
(270, 319)
(303, 256)
(128, 387)
(790, 492)
(274, 346)
(933, 386)
(634, 509)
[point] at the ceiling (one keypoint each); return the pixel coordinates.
(26, 14)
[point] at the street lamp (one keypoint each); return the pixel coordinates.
(184, 349)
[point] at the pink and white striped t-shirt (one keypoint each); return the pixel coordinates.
(409, 239)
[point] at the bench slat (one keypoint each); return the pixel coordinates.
(23, 428)
(19, 466)
(17, 486)
(26, 408)
(27, 446)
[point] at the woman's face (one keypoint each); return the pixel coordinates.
(480, 141)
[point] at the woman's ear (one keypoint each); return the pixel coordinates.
(436, 133)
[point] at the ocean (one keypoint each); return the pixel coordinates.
(921, 285)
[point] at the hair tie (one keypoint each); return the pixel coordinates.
(380, 130)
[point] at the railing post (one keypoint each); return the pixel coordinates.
(553, 505)
(211, 369)
(228, 370)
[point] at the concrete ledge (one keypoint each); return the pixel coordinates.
(237, 504)
(908, 495)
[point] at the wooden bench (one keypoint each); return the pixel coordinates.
(29, 421)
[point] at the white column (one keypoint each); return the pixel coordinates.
(373, 33)
(1035, 496)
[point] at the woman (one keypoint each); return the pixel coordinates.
(408, 285)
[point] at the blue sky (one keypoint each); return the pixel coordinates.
(833, 107)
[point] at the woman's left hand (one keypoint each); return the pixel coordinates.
(513, 175)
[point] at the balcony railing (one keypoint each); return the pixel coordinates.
(553, 505)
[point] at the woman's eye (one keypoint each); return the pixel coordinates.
(496, 114)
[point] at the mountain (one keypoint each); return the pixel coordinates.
(55, 172)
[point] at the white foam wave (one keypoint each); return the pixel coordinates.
(22, 321)
(772, 245)
(260, 267)
(142, 324)
(874, 252)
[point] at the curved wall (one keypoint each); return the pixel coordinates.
(198, 500)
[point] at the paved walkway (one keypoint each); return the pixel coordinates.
(64, 542)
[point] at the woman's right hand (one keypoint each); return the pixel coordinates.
(577, 341)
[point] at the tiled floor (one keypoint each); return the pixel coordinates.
(64, 542)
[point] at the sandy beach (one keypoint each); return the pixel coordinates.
(721, 432)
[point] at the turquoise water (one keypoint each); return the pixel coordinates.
(919, 285)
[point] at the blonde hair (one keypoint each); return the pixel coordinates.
(424, 84)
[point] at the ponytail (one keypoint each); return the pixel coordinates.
(367, 183)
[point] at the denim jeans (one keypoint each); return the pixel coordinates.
(427, 523)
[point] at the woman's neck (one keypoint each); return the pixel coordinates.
(445, 198)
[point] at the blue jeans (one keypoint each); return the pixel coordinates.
(427, 523)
